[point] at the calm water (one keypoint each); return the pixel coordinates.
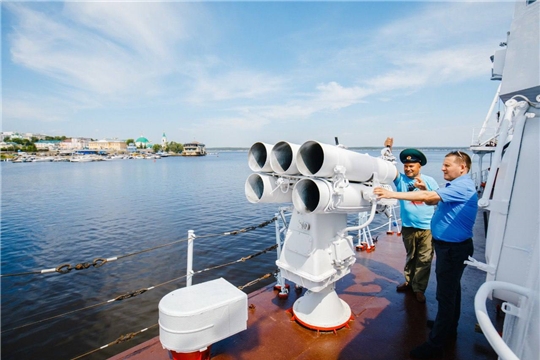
(58, 213)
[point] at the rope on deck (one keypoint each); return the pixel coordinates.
(253, 282)
(119, 340)
(98, 262)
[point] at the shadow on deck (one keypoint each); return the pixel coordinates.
(386, 325)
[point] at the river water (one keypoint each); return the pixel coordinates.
(72, 213)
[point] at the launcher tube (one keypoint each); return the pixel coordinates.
(283, 158)
(259, 157)
(318, 196)
(262, 188)
(317, 159)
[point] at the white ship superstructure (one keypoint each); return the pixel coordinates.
(511, 195)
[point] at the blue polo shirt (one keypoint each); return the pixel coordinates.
(454, 218)
(415, 214)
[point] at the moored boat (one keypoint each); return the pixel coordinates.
(194, 149)
(43, 159)
(82, 158)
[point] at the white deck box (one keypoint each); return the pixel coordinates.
(195, 317)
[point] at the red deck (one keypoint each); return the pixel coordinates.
(386, 325)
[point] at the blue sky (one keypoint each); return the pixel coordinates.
(233, 73)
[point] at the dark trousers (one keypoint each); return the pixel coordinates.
(449, 268)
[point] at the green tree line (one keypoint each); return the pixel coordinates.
(171, 146)
(28, 145)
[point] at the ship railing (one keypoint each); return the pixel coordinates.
(99, 262)
(281, 219)
(486, 137)
(489, 132)
(489, 331)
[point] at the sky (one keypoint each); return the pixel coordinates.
(229, 74)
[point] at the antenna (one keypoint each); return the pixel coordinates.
(336, 140)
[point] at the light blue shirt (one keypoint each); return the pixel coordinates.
(415, 214)
(454, 218)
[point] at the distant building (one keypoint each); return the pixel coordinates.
(163, 142)
(143, 142)
(11, 135)
(50, 145)
(8, 145)
(22, 136)
(74, 144)
(106, 144)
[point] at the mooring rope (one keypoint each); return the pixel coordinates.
(98, 262)
(253, 282)
(119, 340)
(144, 290)
(129, 336)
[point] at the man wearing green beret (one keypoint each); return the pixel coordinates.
(452, 228)
(415, 219)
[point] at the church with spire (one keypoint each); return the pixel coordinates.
(163, 142)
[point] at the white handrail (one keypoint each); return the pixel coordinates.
(493, 337)
(361, 226)
(514, 110)
(489, 114)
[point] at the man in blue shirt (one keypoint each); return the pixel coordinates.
(415, 219)
(452, 228)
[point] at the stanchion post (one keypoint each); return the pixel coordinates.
(189, 269)
(280, 281)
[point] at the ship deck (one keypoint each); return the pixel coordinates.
(386, 324)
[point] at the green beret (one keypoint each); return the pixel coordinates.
(413, 156)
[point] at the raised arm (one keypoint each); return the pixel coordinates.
(429, 197)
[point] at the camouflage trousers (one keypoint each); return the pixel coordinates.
(419, 248)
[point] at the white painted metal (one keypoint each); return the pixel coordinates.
(513, 110)
(195, 317)
(322, 160)
(364, 234)
(363, 225)
(498, 64)
(319, 196)
(317, 251)
(259, 157)
(491, 334)
(512, 197)
(323, 309)
(489, 117)
(521, 68)
(313, 256)
(283, 158)
(189, 267)
(513, 232)
(265, 188)
(281, 226)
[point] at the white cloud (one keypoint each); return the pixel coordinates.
(433, 68)
(152, 29)
(101, 54)
(235, 84)
(443, 25)
(131, 50)
(441, 43)
(335, 96)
